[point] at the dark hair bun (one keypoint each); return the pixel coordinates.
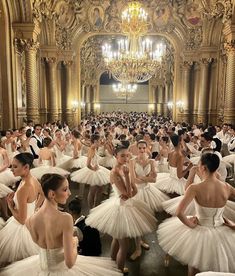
(51, 181)
(25, 158)
(211, 161)
(175, 139)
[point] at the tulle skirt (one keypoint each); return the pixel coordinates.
(170, 185)
(63, 162)
(78, 163)
(41, 170)
(171, 205)
(94, 178)
(153, 197)
(122, 219)
(15, 242)
(7, 177)
(4, 190)
(84, 266)
(204, 248)
(2, 223)
(108, 161)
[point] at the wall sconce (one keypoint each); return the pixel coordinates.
(82, 104)
(170, 105)
(180, 105)
(96, 106)
(74, 106)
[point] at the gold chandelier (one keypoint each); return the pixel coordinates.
(124, 90)
(136, 60)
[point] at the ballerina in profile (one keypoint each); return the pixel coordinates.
(15, 240)
(52, 230)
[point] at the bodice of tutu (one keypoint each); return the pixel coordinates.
(69, 148)
(8, 148)
(173, 172)
(30, 206)
(58, 153)
(210, 217)
(51, 259)
(142, 171)
(107, 154)
(116, 191)
(46, 162)
(164, 160)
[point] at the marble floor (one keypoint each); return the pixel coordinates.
(151, 263)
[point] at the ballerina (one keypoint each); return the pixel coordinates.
(122, 216)
(202, 242)
(22, 205)
(175, 181)
(10, 145)
(46, 161)
(94, 175)
(108, 161)
(52, 231)
(78, 160)
(6, 176)
(163, 155)
(142, 172)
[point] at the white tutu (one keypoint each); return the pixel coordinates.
(2, 223)
(62, 160)
(108, 161)
(153, 197)
(122, 219)
(46, 168)
(88, 176)
(171, 205)
(15, 242)
(50, 262)
(162, 166)
(209, 246)
(4, 190)
(147, 192)
(7, 177)
(80, 162)
(170, 183)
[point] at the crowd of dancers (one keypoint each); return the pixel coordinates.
(147, 164)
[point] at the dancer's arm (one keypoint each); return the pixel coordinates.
(188, 197)
(69, 242)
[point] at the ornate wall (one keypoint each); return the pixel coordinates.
(51, 56)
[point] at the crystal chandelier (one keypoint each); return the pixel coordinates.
(137, 59)
(124, 90)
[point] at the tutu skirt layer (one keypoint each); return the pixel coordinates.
(7, 178)
(15, 242)
(151, 196)
(87, 176)
(84, 266)
(122, 219)
(4, 190)
(41, 170)
(170, 185)
(205, 248)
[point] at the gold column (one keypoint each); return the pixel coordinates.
(196, 73)
(229, 110)
(32, 96)
(213, 94)
(88, 98)
(166, 99)
(53, 99)
(186, 68)
(43, 91)
(203, 91)
(160, 99)
(59, 89)
(69, 95)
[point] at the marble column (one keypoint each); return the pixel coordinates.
(69, 94)
(32, 95)
(203, 91)
(229, 110)
(53, 99)
(186, 97)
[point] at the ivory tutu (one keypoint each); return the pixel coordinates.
(4, 190)
(79, 162)
(2, 223)
(170, 183)
(171, 205)
(7, 177)
(46, 168)
(122, 219)
(209, 246)
(15, 240)
(88, 176)
(50, 262)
